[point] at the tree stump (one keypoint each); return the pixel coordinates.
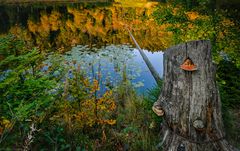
(190, 101)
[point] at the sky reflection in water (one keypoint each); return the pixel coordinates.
(73, 29)
(107, 65)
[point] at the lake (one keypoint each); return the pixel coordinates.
(92, 36)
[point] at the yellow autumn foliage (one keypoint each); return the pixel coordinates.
(192, 15)
(45, 24)
(88, 111)
(32, 27)
(95, 86)
(97, 22)
(71, 26)
(5, 124)
(227, 22)
(54, 20)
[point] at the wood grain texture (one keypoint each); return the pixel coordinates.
(191, 96)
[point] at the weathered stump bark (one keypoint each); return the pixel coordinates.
(190, 101)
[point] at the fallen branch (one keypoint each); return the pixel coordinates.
(146, 60)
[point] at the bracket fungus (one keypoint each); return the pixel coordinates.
(158, 110)
(188, 65)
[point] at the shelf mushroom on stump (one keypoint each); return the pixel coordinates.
(189, 101)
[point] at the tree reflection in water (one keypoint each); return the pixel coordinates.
(61, 27)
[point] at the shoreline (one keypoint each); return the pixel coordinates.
(13, 2)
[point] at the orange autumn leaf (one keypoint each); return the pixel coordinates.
(95, 86)
(192, 15)
(111, 122)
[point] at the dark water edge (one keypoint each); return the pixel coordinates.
(24, 9)
(46, 2)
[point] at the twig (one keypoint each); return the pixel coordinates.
(29, 138)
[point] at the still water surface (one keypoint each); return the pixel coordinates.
(92, 35)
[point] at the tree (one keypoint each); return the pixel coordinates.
(190, 100)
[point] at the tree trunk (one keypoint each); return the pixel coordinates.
(190, 100)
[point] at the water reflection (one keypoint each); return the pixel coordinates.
(108, 64)
(93, 36)
(63, 26)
